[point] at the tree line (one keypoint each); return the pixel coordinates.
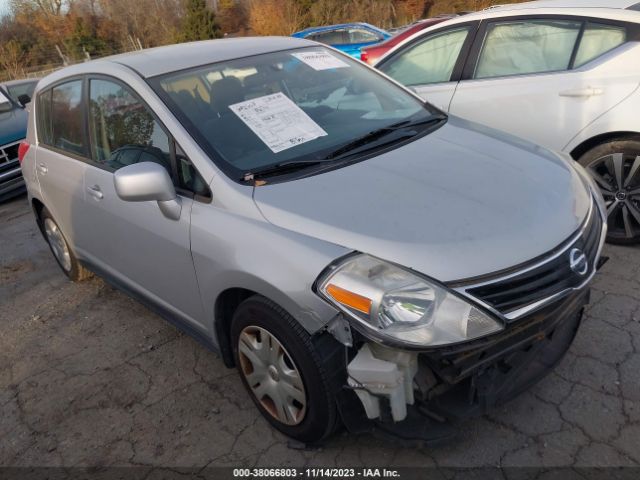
(38, 35)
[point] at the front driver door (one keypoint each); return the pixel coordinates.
(431, 64)
(133, 241)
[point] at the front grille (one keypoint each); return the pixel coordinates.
(547, 278)
(9, 153)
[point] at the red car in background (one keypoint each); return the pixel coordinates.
(371, 54)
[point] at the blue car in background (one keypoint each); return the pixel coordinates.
(13, 129)
(348, 37)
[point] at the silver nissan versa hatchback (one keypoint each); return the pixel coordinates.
(360, 257)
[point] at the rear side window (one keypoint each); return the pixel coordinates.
(597, 40)
(526, 47)
(67, 131)
(359, 35)
(43, 115)
(430, 61)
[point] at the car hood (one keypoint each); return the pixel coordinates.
(13, 125)
(461, 202)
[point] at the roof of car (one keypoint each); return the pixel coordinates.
(171, 58)
(614, 4)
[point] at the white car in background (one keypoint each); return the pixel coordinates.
(564, 74)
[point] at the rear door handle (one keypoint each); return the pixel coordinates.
(42, 168)
(95, 192)
(582, 92)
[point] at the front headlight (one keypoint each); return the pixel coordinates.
(394, 304)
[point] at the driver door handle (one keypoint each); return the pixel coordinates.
(95, 192)
(582, 92)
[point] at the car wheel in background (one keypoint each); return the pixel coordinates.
(60, 248)
(282, 371)
(616, 168)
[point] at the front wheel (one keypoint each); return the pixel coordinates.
(615, 166)
(282, 371)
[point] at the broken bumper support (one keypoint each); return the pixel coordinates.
(453, 383)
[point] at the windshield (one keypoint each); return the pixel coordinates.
(283, 107)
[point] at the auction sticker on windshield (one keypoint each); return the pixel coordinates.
(320, 60)
(277, 121)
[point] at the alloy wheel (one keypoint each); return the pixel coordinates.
(272, 375)
(618, 176)
(58, 244)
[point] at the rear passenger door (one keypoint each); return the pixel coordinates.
(62, 152)
(535, 77)
(431, 65)
(134, 242)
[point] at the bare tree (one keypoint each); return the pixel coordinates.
(11, 58)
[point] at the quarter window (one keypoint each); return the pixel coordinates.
(597, 40)
(430, 61)
(67, 131)
(526, 47)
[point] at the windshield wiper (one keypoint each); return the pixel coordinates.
(279, 168)
(356, 145)
(364, 143)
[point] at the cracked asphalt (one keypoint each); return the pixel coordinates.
(90, 377)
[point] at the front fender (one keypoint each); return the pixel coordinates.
(234, 251)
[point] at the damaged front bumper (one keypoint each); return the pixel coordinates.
(422, 395)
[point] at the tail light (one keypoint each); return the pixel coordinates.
(364, 56)
(23, 148)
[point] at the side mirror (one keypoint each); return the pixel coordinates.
(24, 99)
(148, 181)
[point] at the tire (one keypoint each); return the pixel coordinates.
(312, 415)
(616, 168)
(60, 249)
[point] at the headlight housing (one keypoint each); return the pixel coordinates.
(393, 304)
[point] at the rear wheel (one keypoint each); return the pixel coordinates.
(60, 248)
(282, 371)
(615, 166)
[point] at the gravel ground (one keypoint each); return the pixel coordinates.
(90, 377)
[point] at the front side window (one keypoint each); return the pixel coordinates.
(597, 40)
(430, 61)
(67, 126)
(359, 35)
(122, 130)
(281, 107)
(526, 47)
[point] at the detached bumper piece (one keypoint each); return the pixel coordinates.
(458, 382)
